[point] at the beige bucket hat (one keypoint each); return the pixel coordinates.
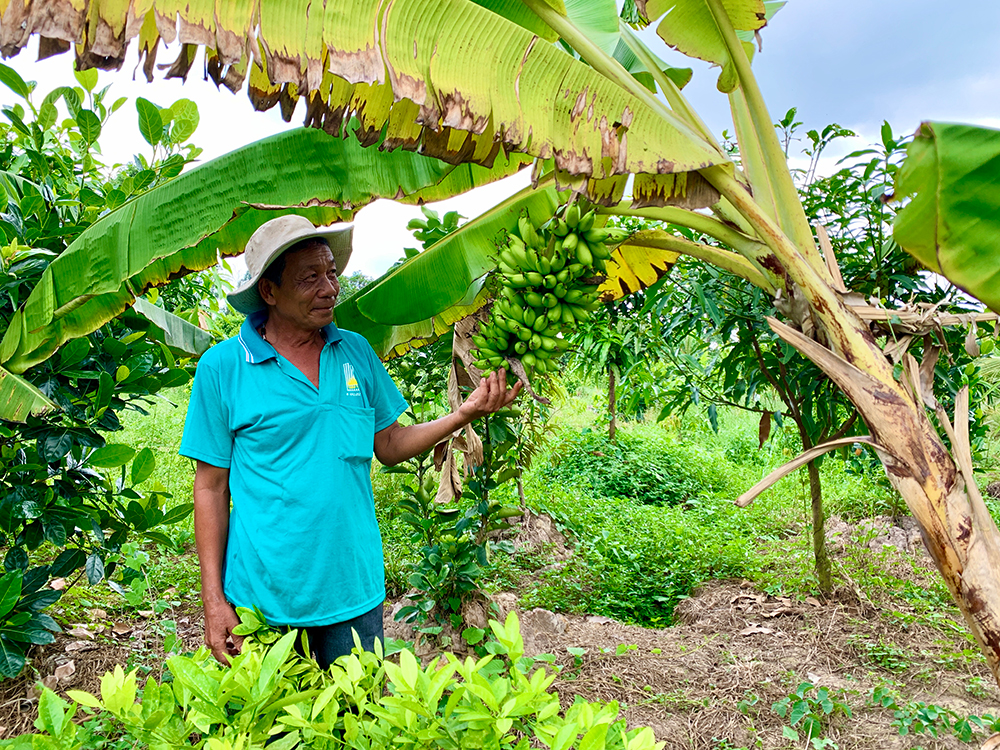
(274, 237)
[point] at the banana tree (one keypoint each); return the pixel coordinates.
(403, 68)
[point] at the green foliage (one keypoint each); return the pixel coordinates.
(917, 717)
(69, 501)
(657, 473)
(272, 696)
(810, 709)
(431, 228)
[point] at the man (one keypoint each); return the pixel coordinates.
(282, 422)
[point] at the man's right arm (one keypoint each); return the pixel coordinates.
(211, 531)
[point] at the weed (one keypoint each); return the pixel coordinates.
(917, 717)
(811, 711)
(882, 655)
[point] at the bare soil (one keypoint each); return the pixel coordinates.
(708, 682)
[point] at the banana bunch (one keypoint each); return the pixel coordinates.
(549, 276)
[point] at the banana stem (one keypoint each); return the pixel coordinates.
(724, 259)
(791, 216)
(847, 337)
(753, 250)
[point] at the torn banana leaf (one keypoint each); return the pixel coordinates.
(403, 67)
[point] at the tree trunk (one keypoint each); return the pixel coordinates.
(818, 532)
(938, 486)
(820, 556)
(612, 426)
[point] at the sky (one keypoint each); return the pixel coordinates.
(853, 62)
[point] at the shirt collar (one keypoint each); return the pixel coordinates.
(258, 350)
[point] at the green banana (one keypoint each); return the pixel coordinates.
(573, 216)
(534, 299)
(586, 221)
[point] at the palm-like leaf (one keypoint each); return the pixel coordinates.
(185, 224)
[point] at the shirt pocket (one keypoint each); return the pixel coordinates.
(356, 441)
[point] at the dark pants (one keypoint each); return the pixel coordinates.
(329, 642)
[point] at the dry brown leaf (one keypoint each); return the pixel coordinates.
(58, 584)
(121, 628)
(992, 742)
(972, 341)
(756, 630)
(781, 611)
(81, 632)
(764, 428)
(50, 682)
(98, 614)
(599, 620)
(812, 601)
(65, 671)
(145, 613)
(80, 646)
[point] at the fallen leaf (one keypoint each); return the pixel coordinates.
(171, 590)
(145, 613)
(813, 601)
(992, 742)
(57, 584)
(65, 671)
(756, 630)
(98, 614)
(598, 620)
(121, 628)
(81, 632)
(80, 646)
(781, 611)
(50, 681)
(100, 629)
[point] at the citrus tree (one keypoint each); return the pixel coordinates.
(569, 83)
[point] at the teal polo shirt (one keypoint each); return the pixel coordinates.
(304, 545)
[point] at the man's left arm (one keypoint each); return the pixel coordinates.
(397, 443)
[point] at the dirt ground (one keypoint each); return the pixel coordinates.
(708, 682)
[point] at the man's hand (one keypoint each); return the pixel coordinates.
(220, 619)
(491, 396)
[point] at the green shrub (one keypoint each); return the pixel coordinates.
(272, 696)
(633, 467)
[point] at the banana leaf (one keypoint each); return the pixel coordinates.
(951, 223)
(179, 335)
(19, 398)
(185, 224)
(405, 67)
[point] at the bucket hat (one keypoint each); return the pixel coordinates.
(272, 239)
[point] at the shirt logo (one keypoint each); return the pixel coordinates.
(352, 382)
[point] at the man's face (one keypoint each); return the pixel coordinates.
(308, 291)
